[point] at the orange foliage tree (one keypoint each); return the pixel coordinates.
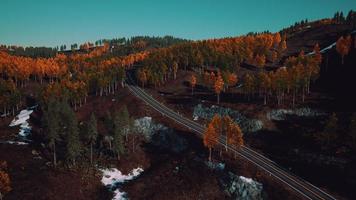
(343, 46)
(5, 184)
(235, 136)
(210, 138)
(317, 55)
(193, 82)
(218, 86)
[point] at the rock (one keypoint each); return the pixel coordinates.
(34, 152)
(281, 114)
(147, 127)
(246, 124)
(216, 166)
(241, 188)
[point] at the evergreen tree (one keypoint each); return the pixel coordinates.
(329, 133)
(352, 130)
(52, 124)
(73, 145)
(118, 143)
(341, 17)
(92, 134)
(125, 121)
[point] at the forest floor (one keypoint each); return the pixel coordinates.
(33, 176)
(291, 142)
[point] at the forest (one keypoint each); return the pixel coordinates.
(62, 79)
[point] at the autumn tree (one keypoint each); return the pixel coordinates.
(343, 46)
(276, 39)
(175, 69)
(274, 56)
(265, 85)
(282, 46)
(210, 138)
(5, 183)
(232, 79)
(260, 60)
(218, 87)
(92, 134)
(193, 82)
(248, 85)
(226, 123)
(142, 76)
(235, 136)
(317, 54)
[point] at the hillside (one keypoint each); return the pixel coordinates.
(282, 94)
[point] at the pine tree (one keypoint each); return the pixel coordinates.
(352, 129)
(118, 143)
(329, 133)
(92, 134)
(125, 120)
(73, 145)
(51, 119)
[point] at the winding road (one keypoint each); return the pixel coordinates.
(305, 189)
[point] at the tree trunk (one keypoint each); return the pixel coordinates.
(218, 95)
(54, 155)
(265, 99)
(210, 154)
(327, 62)
(133, 144)
(342, 60)
(91, 153)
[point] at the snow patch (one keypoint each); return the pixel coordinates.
(21, 120)
(112, 178)
(16, 142)
(247, 180)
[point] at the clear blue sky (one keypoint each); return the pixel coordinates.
(56, 22)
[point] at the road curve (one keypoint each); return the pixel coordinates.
(305, 189)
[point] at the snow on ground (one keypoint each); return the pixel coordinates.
(16, 142)
(112, 178)
(247, 180)
(243, 188)
(21, 120)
